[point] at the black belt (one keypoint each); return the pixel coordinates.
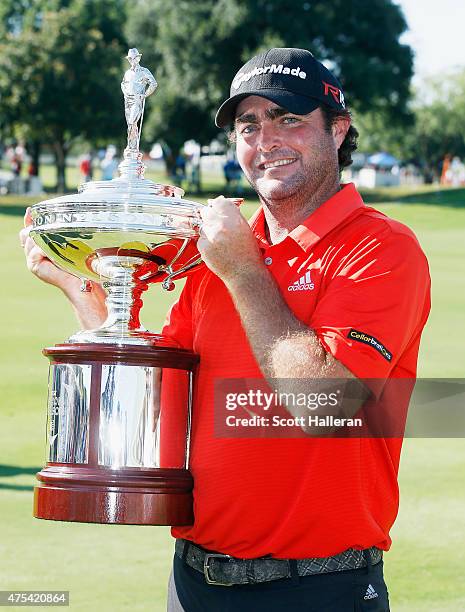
(224, 570)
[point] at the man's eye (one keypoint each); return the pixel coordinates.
(248, 129)
(290, 120)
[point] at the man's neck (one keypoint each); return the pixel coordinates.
(282, 216)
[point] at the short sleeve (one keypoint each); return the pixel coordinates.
(374, 304)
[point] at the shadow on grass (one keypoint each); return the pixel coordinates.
(13, 487)
(16, 470)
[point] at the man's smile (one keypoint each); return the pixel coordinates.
(276, 163)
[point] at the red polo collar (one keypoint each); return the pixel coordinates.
(329, 215)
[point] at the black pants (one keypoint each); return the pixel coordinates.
(360, 590)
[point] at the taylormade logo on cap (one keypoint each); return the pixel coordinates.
(277, 69)
(291, 78)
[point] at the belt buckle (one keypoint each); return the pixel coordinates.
(206, 568)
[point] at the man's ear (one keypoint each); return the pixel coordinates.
(339, 129)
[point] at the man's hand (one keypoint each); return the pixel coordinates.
(39, 264)
(90, 307)
(227, 244)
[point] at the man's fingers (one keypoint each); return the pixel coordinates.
(29, 245)
(222, 201)
(220, 207)
(213, 201)
(35, 255)
(24, 235)
(27, 217)
(208, 213)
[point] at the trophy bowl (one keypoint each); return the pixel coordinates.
(120, 396)
(124, 234)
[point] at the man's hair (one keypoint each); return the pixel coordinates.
(349, 144)
(330, 116)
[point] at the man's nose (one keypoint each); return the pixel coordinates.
(269, 138)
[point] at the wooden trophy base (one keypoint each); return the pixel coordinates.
(80, 482)
(125, 497)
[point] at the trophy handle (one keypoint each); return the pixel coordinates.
(168, 283)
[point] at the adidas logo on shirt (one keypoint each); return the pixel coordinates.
(371, 593)
(303, 284)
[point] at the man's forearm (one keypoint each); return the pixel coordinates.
(282, 345)
(89, 307)
(287, 350)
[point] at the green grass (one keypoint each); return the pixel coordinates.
(119, 568)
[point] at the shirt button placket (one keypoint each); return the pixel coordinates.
(268, 261)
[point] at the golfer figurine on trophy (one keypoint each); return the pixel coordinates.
(138, 83)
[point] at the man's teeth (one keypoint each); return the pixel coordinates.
(278, 162)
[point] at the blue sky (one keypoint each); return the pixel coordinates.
(436, 34)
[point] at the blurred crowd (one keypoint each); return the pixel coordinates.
(107, 160)
(453, 172)
(12, 178)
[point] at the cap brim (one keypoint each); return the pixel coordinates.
(294, 103)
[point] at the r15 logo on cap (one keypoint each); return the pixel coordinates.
(335, 92)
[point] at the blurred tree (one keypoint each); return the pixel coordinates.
(439, 109)
(194, 49)
(378, 133)
(437, 129)
(60, 71)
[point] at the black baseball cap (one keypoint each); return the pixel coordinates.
(292, 78)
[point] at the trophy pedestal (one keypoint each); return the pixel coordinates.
(128, 497)
(118, 435)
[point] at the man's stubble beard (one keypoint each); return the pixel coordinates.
(301, 187)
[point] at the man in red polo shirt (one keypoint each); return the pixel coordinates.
(317, 287)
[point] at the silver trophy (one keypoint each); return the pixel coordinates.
(123, 233)
(120, 396)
